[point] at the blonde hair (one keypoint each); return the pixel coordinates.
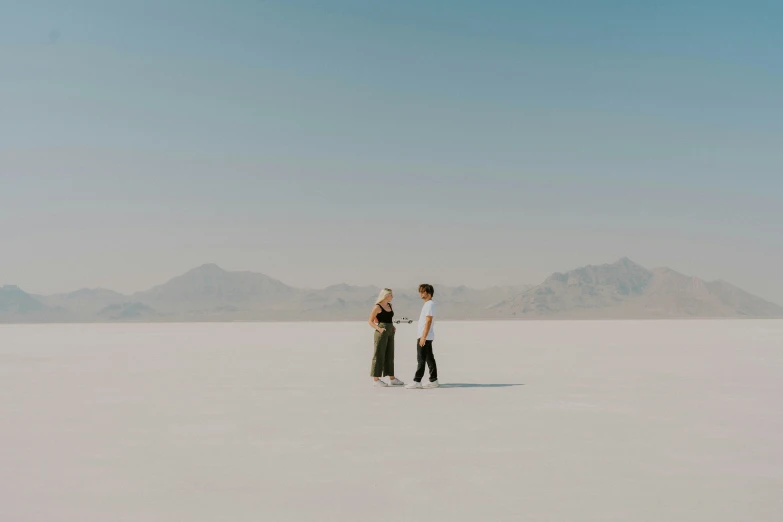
(382, 295)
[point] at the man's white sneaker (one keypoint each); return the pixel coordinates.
(380, 384)
(396, 382)
(414, 386)
(433, 384)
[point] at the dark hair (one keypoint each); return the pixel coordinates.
(427, 289)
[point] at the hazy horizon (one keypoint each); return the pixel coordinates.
(401, 288)
(388, 144)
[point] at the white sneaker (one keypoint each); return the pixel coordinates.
(433, 384)
(396, 382)
(414, 386)
(379, 384)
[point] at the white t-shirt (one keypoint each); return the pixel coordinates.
(427, 310)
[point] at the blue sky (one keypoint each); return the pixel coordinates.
(389, 142)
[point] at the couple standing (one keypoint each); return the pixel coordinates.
(381, 319)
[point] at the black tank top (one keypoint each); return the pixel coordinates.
(384, 316)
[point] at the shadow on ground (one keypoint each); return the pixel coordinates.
(475, 385)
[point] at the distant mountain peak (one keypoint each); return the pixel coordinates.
(339, 286)
(626, 262)
(208, 267)
(345, 287)
(86, 292)
(626, 289)
(14, 300)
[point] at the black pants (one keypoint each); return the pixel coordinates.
(424, 355)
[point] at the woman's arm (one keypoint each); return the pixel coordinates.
(371, 321)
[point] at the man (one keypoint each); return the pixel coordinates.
(424, 344)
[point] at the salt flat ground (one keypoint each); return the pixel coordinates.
(540, 421)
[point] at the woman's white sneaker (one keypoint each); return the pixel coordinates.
(396, 382)
(379, 384)
(414, 386)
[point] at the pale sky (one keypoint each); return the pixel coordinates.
(389, 143)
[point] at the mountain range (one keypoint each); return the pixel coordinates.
(621, 290)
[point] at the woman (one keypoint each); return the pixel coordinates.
(383, 359)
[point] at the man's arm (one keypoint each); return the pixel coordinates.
(427, 326)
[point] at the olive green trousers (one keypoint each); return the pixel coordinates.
(383, 358)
